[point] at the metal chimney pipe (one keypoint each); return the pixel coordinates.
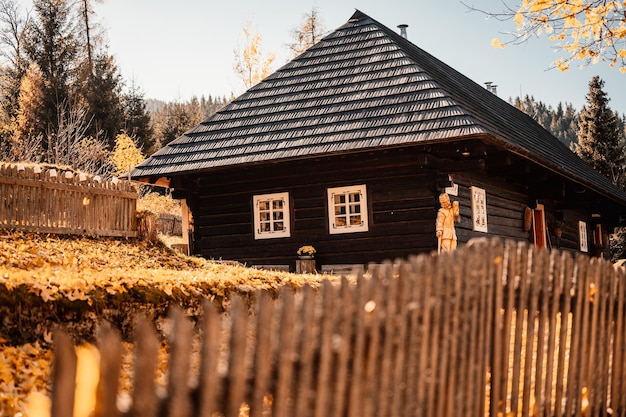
(402, 28)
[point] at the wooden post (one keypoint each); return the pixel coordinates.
(305, 266)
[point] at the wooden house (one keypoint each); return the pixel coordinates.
(347, 148)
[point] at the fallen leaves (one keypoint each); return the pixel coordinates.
(73, 279)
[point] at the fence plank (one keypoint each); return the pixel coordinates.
(237, 363)
(387, 311)
(210, 386)
(323, 388)
(414, 307)
(179, 404)
(399, 391)
(306, 348)
(110, 345)
(344, 338)
(63, 376)
(145, 403)
(618, 370)
(371, 377)
(282, 404)
(362, 305)
(263, 365)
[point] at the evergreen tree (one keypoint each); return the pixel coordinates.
(137, 123)
(561, 123)
(51, 44)
(103, 98)
(175, 119)
(599, 140)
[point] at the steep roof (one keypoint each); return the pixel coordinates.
(363, 86)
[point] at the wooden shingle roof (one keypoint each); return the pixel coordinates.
(362, 87)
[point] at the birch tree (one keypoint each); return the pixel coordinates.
(251, 63)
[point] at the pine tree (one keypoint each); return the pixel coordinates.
(137, 122)
(599, 140)
(50, 43)
(103, 98)
(561, 123)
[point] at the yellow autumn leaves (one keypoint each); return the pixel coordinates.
(76, 268)
(24, 370)
(89, 270)
(588, 30)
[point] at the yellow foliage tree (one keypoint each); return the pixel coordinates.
(26, 141)
(126, 155)
(251, 65)
(589, 31)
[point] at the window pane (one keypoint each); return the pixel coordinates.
(339, 210)
(355, 209)
(264, 205)
(340, 199)
(355, 197)
(340, 221)
(265, 227)
(355, 220)
(265, 216)
(278, 226)
(278, 215)
(277, 204)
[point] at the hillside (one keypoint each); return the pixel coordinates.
(76, 282)
(80, 274)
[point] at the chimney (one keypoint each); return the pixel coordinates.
(402, 28)
(491, 87)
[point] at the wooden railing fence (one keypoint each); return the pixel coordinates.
(493, 329)
(49, 200)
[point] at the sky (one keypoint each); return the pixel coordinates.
(174, 50)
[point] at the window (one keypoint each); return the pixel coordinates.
(347, 209)
(271, 216)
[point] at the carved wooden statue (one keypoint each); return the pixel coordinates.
(447, 215)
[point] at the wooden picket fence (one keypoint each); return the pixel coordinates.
(493, 329)
(50, 200)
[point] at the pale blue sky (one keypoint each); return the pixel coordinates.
(177, 49)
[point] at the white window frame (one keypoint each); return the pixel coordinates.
(479, 210)
(351, 209)
(274, 217)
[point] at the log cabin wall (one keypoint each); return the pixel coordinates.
(402, 204)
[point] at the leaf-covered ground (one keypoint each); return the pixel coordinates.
(48, 280)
